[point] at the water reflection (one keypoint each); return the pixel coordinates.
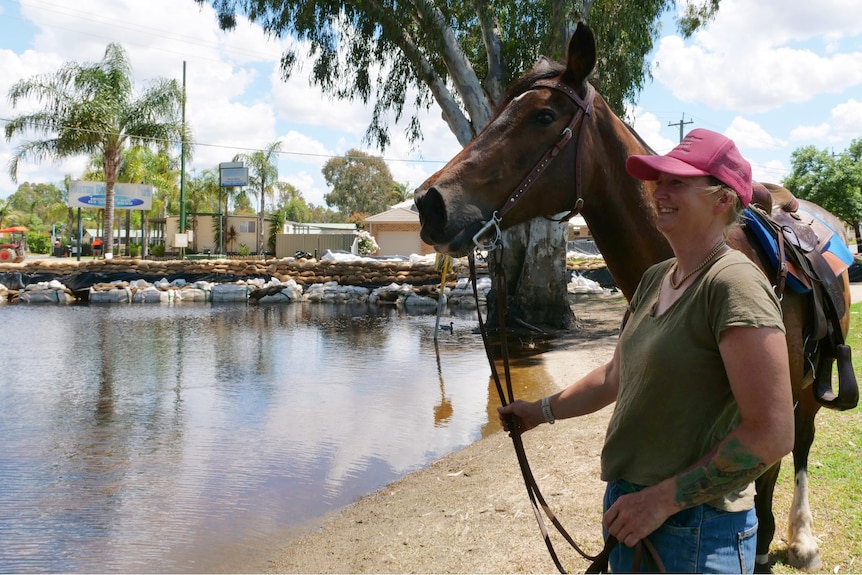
(443, 410)
(191, 438)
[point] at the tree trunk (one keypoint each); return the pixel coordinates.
(534, 262)
(108, 221)
(111, 166)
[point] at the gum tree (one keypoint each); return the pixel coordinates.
(405, 57)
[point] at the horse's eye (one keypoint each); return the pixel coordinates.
(545, 117)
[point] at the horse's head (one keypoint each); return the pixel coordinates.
(492, 175)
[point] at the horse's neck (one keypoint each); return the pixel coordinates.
(617, 207)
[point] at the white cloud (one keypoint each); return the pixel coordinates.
(298, 101)
(758, 56)
(649, 128)
(845, 122)
(809, 133)
(748, 134)
(847, 119)
(307, 184)
(773, 171)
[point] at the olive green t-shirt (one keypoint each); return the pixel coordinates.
(675, 402)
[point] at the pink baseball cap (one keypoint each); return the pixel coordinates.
(701, 153)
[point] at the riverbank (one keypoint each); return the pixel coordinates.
(469, 512)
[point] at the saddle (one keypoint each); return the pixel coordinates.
(800, 248)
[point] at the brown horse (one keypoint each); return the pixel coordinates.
(520, 168)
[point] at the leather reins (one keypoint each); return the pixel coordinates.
(599, 562)
(507, 397)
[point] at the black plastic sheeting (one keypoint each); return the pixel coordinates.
(79, 282)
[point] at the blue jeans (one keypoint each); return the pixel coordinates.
(701, 539)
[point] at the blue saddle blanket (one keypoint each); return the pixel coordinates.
(835, 250)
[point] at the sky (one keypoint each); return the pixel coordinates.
(774, 75)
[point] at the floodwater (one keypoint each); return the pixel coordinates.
(200, 438)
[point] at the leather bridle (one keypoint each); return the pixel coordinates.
(585, 108)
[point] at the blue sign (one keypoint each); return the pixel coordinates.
(126, 196)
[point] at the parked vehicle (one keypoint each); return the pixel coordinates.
(13, 244)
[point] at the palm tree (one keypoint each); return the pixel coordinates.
(203, 196)
(263, 175)
(92, 109)
(142, 164)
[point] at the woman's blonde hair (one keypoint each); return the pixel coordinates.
(716, 186)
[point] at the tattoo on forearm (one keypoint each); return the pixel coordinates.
(729, 467)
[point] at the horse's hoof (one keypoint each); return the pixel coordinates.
(762, 567)
(804, 557)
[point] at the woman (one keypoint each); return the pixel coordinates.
(700, 377)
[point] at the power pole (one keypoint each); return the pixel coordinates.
(183, 160)
(681, 124)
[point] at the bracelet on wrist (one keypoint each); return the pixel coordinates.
(546, 410)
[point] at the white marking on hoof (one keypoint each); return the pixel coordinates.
(802, 549)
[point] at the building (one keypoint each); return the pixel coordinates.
(240, 232)
(578, 229)
(397, 231)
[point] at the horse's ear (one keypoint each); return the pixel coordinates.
(582, 55)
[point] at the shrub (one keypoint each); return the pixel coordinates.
(365, 244)
(38, 243)
(243, 250)
(157, 250)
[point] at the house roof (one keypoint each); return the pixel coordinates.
(394, 214)
(319, 226)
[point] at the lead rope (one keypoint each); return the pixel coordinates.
(536, 498)
(599, 562)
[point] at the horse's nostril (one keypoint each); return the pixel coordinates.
(432, 209)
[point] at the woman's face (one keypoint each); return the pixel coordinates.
(684, 204)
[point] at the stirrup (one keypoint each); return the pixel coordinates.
(848, 390)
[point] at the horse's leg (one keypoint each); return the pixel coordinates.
(803, 552)
(765, 486)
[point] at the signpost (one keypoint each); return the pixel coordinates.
(230, 174)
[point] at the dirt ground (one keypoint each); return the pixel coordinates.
(469, 512)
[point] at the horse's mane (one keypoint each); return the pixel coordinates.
(549, 69)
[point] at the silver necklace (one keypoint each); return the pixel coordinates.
(675, 285)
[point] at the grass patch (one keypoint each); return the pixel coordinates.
(835, 481)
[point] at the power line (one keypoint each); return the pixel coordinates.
(249, 149)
